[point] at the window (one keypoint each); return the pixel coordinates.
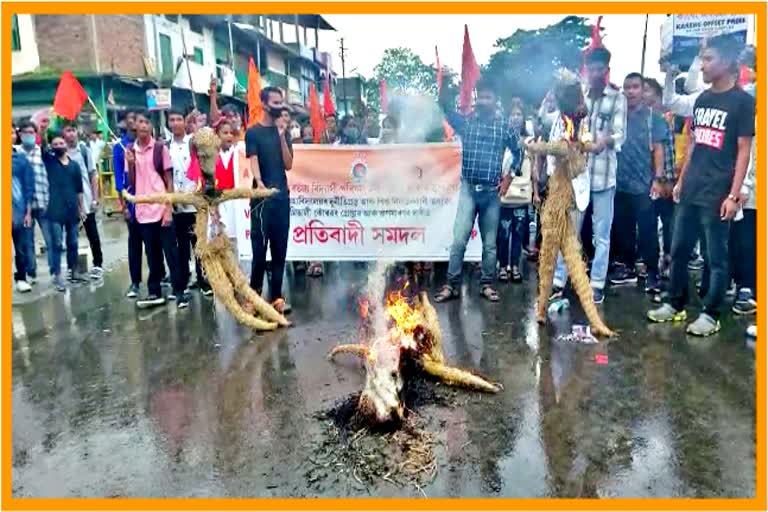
(15, 39)
(172, 17)
(199, 55)
(195, 25)
(166, 56)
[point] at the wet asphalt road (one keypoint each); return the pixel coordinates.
(111, 401)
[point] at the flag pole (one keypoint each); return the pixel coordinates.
(645, 41)
(186, 59)
(93, 105)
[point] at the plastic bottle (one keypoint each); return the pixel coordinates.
(559, 305)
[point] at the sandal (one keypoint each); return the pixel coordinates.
(503, 275)
(281, 306)
(489, 293)
(446, 293)
(517, 277)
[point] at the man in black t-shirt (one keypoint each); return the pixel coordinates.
(271, 155)
(709, 187)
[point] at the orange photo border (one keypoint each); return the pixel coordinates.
(8, 502)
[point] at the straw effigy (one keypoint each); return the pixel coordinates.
(216, 255)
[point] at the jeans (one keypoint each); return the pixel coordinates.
(31, 257)
(160, 241)
(481, 202)
(665, 210)
(56, 230)
(743, 249)
(270, 224)
(92, 232)
(636, 229)
(691, 220)
(602, 219)
(513, 224)
(19, 234)
(186, 240)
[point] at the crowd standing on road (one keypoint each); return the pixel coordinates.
(670, 186)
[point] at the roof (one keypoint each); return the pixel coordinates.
(305, 20)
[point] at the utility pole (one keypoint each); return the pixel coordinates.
(645, 41)
(343, 55)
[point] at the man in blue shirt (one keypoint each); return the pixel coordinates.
(121, 183)
(640, 175)
(485, 134)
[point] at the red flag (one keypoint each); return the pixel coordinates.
(70, 97)
(316, 118)
(745, 75)
(255, 108)
(328, 107)
(446, 127)
(383, 95)
(470, 73)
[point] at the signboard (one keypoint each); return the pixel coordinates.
(158, 99)
(359, 203)
(680, 38)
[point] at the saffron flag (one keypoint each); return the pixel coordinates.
(316, 118)
(447, 130)
(70, 97)
(255, 108)
(383, 95)
(328, 107)
(470, 73)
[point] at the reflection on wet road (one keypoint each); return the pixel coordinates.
(111, 401)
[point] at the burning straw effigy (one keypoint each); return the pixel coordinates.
(414, 337)
(217, 258)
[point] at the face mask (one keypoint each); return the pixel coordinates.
(295, 133)
(59, 152)
(351, 133)
(28, 140)
(274, 111)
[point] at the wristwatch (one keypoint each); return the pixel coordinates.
(733, 198)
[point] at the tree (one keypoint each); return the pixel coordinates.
(525, 63)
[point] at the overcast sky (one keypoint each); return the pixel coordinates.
(367, 36)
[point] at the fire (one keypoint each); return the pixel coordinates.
(405, 316)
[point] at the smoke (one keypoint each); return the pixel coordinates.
(376, 288)
(419, 118)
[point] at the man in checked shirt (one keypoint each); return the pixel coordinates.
(607, 119)
(485, 134)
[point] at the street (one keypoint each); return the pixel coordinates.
(110, 401)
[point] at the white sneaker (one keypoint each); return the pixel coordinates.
(32, 280)
(23, 287)
(97, 273)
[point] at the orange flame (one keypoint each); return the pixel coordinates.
(406, 317)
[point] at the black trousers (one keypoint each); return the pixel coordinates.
(134, 251)
(634, 229)
(511, 235)
(690, 220)
(270, 223)
(743, 244)
(19, 234)
(186, 240)
(160, 242)
(665, 210)
(92, 232)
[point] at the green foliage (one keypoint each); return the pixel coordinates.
(525, 63)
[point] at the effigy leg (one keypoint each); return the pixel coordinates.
(547, 260)
(458, 377)
(261, 307)
(577, 271)
(223, 291)
(353, 348)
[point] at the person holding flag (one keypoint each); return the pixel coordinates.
(485, 135)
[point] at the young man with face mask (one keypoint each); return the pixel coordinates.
(81, 154)
(607, 118)
(485, 135)
(66, 210)
(710, 186)
(640, 175)
(29, 147)
(271, 155)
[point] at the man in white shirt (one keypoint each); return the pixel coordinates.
(184, 215)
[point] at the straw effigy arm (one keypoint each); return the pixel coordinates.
(167, 198)
(245, 193)
(556, 148)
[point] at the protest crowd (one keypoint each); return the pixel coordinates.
(670, 188)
